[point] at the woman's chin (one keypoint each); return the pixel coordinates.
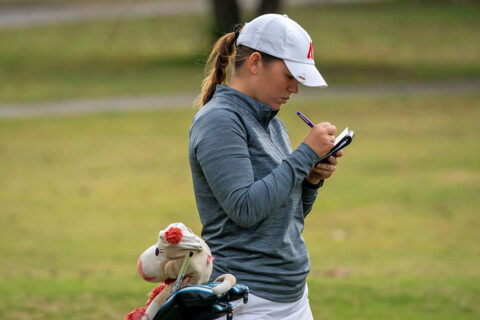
(276, 106)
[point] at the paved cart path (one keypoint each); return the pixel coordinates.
(184, 100)
(15, 16)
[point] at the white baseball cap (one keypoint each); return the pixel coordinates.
(281, 37)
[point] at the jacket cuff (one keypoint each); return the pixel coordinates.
(307, 184)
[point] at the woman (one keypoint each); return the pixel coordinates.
(252, 192)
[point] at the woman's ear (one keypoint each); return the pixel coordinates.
(254, 62)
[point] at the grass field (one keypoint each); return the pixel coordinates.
(393, 235)
(83, 196)
(364, 43)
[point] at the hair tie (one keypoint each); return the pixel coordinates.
(237, 33)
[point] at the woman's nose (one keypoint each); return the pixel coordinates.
(293, 88)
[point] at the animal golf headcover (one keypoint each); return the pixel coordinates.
(162, 263)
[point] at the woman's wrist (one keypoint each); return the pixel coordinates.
(311, 185)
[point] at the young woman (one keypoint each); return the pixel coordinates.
(252, 191)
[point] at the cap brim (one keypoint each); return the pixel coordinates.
(306, 74)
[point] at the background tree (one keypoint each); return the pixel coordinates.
(227, 13)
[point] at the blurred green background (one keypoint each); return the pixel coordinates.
(393, 235)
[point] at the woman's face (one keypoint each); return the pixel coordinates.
(275, 84)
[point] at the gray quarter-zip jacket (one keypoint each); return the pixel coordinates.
(249, 194)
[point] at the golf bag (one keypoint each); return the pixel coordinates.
(199, 302)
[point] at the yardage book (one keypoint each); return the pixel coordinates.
(342, 140)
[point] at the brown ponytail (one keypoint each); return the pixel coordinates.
(225, 54)
(218, 67)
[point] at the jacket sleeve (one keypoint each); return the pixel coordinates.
(309, 195)
(219, 142)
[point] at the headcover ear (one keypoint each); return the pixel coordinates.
(179, 236)
(149, 264)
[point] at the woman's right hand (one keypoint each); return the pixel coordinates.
(321, 138)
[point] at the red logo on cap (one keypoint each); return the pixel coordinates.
(310, 52)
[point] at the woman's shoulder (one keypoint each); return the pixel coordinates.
(216, 110)
(217, 118)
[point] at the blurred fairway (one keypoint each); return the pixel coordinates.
(363, 43)
(82, 197)
(393, 235)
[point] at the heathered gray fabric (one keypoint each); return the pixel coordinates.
(249, 194)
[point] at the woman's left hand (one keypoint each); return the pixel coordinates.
(324, 170)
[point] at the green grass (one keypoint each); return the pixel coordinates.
(82, 197)
(101, 58)
(365, 43)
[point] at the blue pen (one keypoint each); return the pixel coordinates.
(305, 119)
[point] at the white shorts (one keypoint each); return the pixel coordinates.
(261, 309)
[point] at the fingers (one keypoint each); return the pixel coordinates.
(331, 129)
(321, 167)
(339, 154)
(321, 138)
(332, 160)
(323, 171)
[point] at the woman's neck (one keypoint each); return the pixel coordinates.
(242, 85)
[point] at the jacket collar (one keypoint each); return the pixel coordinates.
(262, 112)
